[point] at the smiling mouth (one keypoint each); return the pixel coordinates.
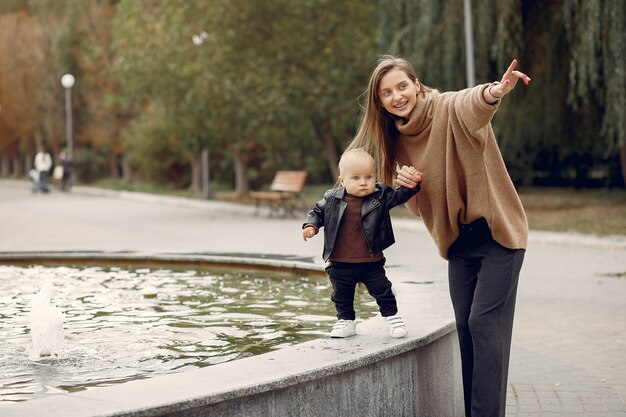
(400, 106)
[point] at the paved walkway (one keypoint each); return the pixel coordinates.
(569, 343)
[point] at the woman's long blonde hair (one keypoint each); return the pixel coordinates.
(377, 132)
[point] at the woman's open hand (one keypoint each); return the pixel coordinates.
(508, 81)
(408, 176)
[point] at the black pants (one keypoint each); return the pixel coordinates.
(483, 277)
(43, 181)
(344, 276)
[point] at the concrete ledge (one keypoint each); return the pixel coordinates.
(370, 374)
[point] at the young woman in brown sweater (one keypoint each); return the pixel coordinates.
(468, 204)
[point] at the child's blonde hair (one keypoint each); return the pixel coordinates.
(352, 154)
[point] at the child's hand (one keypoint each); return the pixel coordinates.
(309, 232)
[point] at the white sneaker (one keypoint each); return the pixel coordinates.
(397, 326)
(343, 328)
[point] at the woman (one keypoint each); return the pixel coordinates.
(468, 204)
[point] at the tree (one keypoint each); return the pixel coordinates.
(264, 88)
(596, 34)
(159, 65)
(575, 51)
(327, 71)
(44, 40)
(19, 92)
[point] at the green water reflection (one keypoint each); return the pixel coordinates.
(131, 323)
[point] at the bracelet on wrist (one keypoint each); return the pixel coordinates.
(489, 90)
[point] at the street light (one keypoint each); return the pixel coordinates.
(68, 82)
(469, 44)
(198, 40)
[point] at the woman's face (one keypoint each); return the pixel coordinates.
(398, 93)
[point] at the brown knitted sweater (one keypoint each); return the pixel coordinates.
(449, 138)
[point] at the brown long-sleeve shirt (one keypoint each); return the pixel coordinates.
(351, 245)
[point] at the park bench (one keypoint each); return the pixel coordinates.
(284, 193)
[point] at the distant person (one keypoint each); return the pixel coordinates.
(468, 204)
(43, 163)
(67, 165)
(357, 228)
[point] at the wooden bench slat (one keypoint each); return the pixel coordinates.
(292, 181)
(285, 187)
(268, 195)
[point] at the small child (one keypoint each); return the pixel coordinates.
(357, 230)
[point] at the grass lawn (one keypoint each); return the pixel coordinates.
(598, 211)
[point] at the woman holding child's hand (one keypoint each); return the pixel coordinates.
(408, 176)
(468, 204)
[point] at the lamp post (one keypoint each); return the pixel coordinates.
(469, 44)
(198, 40)
(68, 82)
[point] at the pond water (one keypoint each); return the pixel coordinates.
(121, 324)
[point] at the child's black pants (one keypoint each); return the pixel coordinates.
(345, 275)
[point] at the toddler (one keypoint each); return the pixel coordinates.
(357, 229)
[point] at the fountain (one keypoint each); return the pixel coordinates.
(295, 378)
(126, 323)
(46, 323)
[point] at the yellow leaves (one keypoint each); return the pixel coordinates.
(21, 74)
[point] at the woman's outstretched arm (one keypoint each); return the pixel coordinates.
(498, 90)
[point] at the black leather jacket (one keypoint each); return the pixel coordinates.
(375, 220)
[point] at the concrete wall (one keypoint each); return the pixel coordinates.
(420, 382)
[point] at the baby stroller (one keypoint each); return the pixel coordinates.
(39, 181)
